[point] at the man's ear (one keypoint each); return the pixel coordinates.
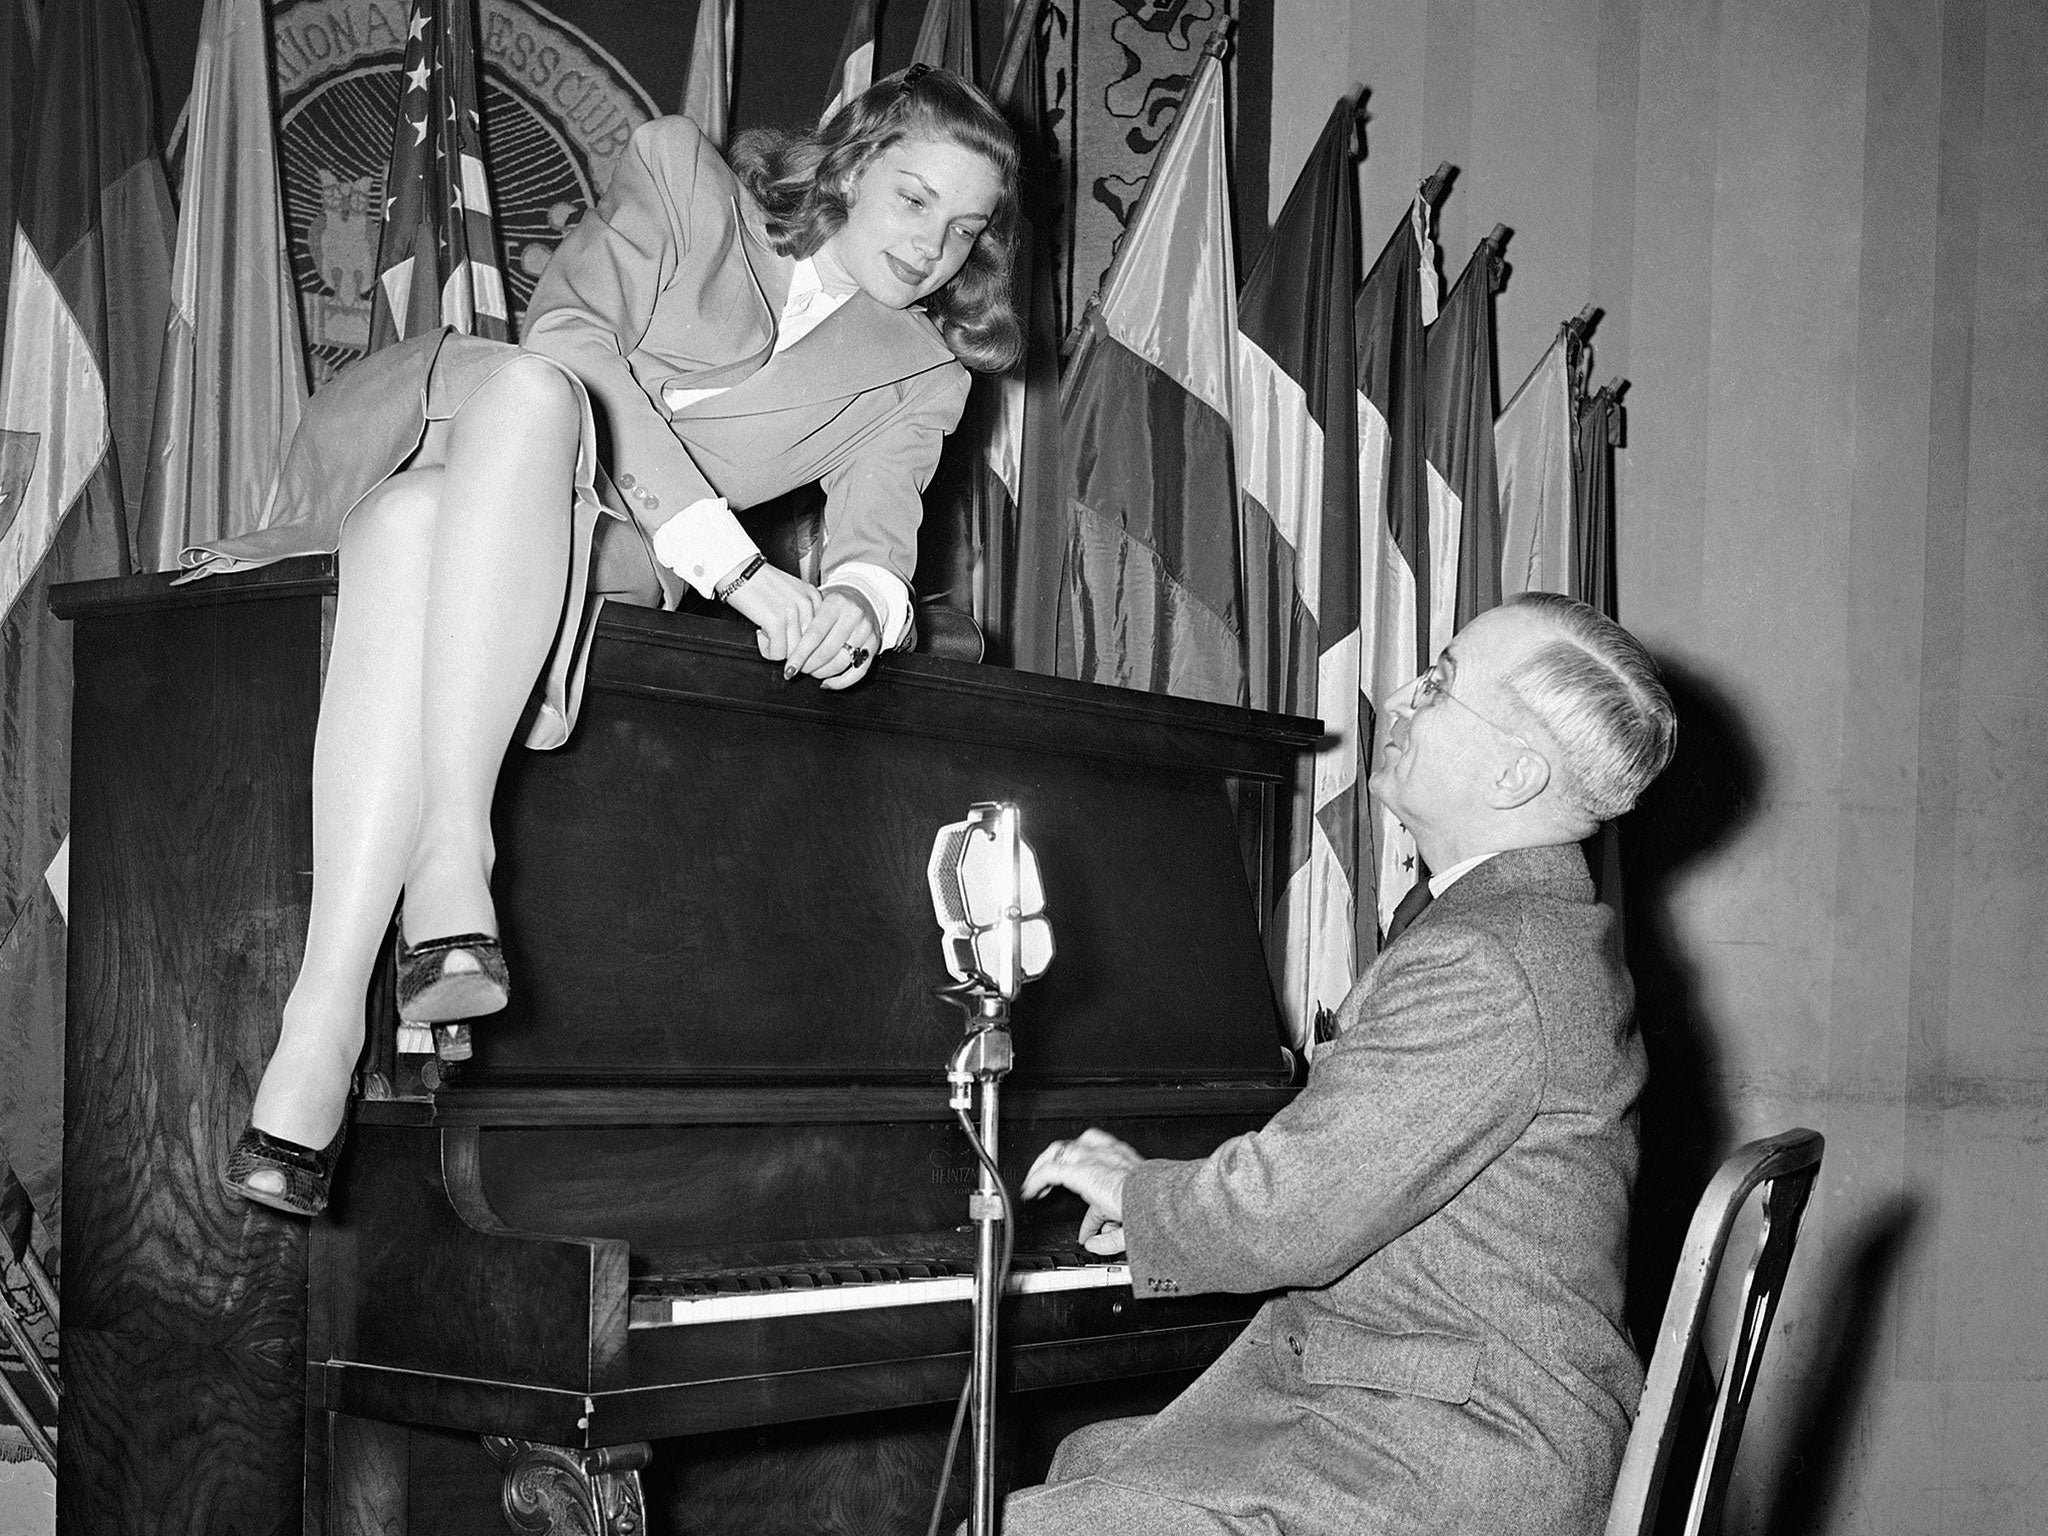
(1521, 779)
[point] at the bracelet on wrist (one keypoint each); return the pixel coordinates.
(725, 589)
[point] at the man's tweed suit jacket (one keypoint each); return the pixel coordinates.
(1445, 1206)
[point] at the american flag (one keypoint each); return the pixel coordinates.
(437, 263)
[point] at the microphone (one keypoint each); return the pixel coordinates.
(989, 901)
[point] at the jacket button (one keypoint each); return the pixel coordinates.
(625, 482)
(651, 501)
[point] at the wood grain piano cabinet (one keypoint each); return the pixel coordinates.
(682, 1246)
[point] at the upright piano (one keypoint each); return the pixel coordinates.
(699, 1186)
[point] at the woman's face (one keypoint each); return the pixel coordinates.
(917, 209)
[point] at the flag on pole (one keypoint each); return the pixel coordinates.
(1394, 305)
(1296, 439)
(1533, 447)
(1013, 421)
(1599, 429)
(437, 262)
(948, 543)
(87, 298)
(945, 39)
(1149, 589)
(17, 1213)
(707, 94)
(225, 410)
(18, 32)
(1464, 494)
(854, 70)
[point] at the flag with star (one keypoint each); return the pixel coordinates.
(437, 263)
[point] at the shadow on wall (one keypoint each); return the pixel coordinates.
(1696, 808)
(1825, 1405)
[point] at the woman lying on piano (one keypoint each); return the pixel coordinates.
(807, 315)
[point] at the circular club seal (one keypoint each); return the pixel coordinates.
(557, 110)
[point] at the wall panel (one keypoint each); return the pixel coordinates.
(1820, 233)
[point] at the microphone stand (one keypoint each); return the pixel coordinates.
(989, 979)
(980, 1061)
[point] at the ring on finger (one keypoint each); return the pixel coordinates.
(857, 654)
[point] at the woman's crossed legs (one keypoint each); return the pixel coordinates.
(453, 579)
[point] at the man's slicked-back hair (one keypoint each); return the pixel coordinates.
(1596, 691)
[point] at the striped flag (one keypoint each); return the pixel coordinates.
(88, 292)
(1017, 521)
(17, 1213)
(1149, 587)
(1533, 447)
(854, 71)
(437, 262)
(1464, 494)
(1297, 460)
(225, 410)
(707, 94)
(1394, 305)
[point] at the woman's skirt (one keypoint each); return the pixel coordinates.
(361, 429)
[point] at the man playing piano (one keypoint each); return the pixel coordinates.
(1443, 1209)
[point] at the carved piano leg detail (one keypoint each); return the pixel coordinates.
(551, 1490)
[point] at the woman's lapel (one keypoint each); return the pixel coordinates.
(770, 268)
(863, 346)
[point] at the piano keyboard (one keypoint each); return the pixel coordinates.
(851, 1288)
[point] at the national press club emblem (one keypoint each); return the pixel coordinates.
(557, 111)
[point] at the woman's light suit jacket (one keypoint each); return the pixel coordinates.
(667, 286)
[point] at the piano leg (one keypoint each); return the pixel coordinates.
(551, 1490)
(367, 1469)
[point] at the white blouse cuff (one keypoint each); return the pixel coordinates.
(704, 543)
(887, 593)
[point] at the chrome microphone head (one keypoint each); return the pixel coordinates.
(989, 901)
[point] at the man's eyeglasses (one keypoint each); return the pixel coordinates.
(1431, 686)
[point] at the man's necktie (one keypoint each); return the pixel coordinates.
(1409, 908)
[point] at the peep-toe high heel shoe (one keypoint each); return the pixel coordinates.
(304, 1175)
(442, 980)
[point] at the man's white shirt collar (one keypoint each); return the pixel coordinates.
(1438, 884)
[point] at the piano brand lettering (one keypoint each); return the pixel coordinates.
(950, 1167)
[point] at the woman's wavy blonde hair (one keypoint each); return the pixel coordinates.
(804, 184)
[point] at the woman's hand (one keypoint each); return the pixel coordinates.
(781, 607)
(839, 645)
